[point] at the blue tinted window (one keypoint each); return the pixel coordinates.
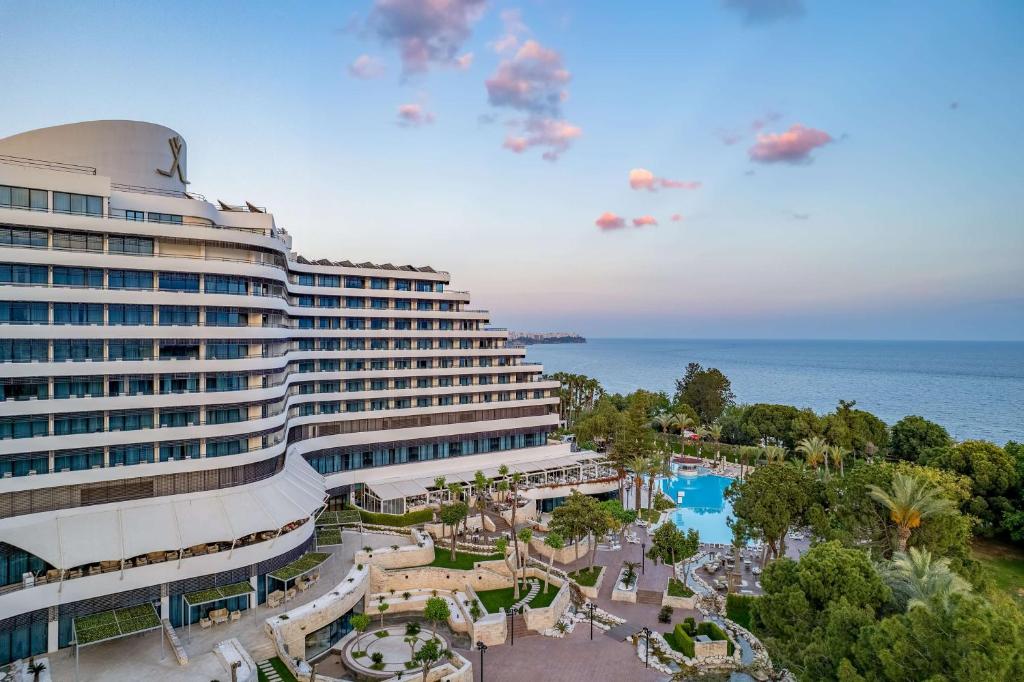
(179, 281)
(129, 279)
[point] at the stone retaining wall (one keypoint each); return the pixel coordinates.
(545, 618)
(420, 552)
(566, 555)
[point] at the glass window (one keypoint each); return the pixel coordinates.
(129, 349)
(77, 277)
(132, 245)
(78, 241)
(330, 280)
(305, 280)
(179, 350)
(138, 216)
(24, 427)
(77, 387)
(129, 315)
(221, 284)
(22, 274)
(169, 218)
(13, 236)
(66, 424)
(175, 418)
(130, 421)
(80, 204)
(77, 460)
(127, 455)
(17, 312)
(179, 315)
(179, 383)
(23, 197)
(129, 279)
(179, 281)
(25, 350)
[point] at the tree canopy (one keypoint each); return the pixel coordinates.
(913, 438)
(708, 391)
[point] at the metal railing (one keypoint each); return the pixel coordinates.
(48, 165)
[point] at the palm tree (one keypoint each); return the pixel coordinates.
(923, 580)
(681, 422)
(910, 501)
(813, 450)
(639, 465)
(480, 482)
(837, 454)
(746, 453)
(660, 464)
(714, 432)
(662, 422)
(775, 453)
(554, 542)
(525, 535)
(516, 480)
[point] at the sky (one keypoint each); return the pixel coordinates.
(704, 169)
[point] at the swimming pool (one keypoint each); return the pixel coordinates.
(703, 506)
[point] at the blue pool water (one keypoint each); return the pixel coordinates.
(703, 507)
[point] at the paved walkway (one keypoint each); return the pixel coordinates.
(573, 658)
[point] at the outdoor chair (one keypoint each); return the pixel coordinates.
(236, 615)
(205, 623)
(218, 616)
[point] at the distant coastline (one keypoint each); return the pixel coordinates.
(533, 338)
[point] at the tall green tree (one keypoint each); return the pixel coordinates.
(708, 391)
(480, 485)
(437, 611)
(451, 516)
(814, 450)
(554, 542)
(774, 499)
(993, 476)
(570, 519)
(914, 438)
(920, 579)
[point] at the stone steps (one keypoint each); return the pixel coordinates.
(268, 671)
(519, 628)
(648, 597)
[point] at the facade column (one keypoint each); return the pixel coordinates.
(52, 630)
(254, 595)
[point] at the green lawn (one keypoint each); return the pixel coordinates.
(281, 670)
(493, 600)
(650, 515)
(463, 560)
(677, 588)
(587, 577)
(1004, 563)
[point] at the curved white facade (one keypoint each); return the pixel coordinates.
(167, 362)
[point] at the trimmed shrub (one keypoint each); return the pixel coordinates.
(690, 625)
(680, 640)
(739, 608)
(665, 615)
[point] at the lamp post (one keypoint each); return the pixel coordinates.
(647, 645)
(643, 557)
(511, 624)
(591, 606)
(481, 647)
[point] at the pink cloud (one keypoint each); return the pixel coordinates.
(512, 20)
(641, 178)
(463, 62)
(553, 134)
(610, 221)
(366, 67)
(427, 32)
(676, 218)
(413, 116)
(533, 80)
(644, 220)
(793, 146)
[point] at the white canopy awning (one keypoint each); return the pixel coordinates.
(75, 537)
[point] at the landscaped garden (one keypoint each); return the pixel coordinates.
(587, 577)
(677, 588)
(504, 598)
(280, 668)
(681, 637)
(463, 560)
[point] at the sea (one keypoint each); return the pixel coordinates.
(973, 388)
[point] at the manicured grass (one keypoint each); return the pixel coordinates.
(463, 560)
(587, 577)
(280, 668)
(492, 600)
(650, 515)
(738, 609)
(1004, 563)
(677, 588)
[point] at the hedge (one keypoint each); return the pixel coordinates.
(681, 637)
(739, 609)
(679, 640)
(409, 519)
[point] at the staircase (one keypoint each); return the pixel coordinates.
(519, 628)
(648, 597)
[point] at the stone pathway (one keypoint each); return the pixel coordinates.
(534, 589)
(268, 671)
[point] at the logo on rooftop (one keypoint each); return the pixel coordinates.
(176, 169)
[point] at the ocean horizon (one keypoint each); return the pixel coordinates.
(975, 389)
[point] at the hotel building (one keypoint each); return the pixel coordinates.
(181, 393)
